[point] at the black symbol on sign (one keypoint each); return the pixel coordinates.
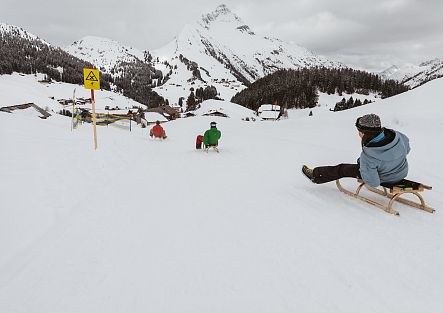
(92, 77)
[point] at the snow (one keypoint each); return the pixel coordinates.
(19, 89)
(268, 107)
(269, 114)
(11, 29)
(329, 101)
(217, 41)
(232, 110)
(152, 117)
(415, 75)
(103, 52)
(400, 73)
(31, 111)
(142, 225)
(221, 39)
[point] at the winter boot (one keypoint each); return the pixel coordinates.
(308, 172)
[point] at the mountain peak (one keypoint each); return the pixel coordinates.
(103, 52)
(220, 14)
(431, 62)
(18, 31)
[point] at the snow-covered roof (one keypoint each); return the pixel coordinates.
(270, 115)
(152, 117)
(268, 107)
(28, 111)
(230, 109)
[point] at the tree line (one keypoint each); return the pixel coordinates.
(299, 88)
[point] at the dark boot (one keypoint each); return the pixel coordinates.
(308, 172)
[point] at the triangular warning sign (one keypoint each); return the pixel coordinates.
(91, 76)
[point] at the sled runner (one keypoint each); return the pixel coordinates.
(392, 192)
(211, 147)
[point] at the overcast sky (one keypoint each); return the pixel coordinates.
(369, 34)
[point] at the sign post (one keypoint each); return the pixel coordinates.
(92, 81)
(73, 108)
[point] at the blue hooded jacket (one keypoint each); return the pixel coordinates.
(385, 164)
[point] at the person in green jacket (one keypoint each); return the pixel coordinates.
(212, 135)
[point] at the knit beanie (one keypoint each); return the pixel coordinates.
(368, 123)
(213, 124)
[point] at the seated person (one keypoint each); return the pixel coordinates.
(211, 136)
(157, 131)
(382, 160)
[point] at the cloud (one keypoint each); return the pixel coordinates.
(323, 31)
(403, 30)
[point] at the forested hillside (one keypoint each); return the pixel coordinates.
(299, 88)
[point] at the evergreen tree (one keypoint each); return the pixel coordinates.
(191, 103)
(350, 103)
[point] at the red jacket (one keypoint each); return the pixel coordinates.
(199, 139)
(157, 131)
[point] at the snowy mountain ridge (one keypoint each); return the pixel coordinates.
(221, 13)
(221, 50)
(217, 50)
(104, 53)
(20, 32)
(415, 75)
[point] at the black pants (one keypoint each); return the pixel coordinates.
(326, 174)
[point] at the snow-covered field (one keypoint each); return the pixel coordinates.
(20, 88)
(147, 226)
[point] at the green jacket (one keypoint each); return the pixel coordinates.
(211, 137)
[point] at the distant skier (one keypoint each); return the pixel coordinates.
(198, 142)
(211, 137)
(382, 160)
(157, 131)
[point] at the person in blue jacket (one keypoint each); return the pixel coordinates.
(382, 160)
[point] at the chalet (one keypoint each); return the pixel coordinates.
(215, 113)
(188, 114)
(167, 111)
(28, 107)
(269, 112)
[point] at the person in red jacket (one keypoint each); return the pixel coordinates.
(198, 142)
(157, 131)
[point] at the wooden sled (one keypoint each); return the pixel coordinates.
(395, 192)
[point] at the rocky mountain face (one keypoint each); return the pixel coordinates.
(220, 50)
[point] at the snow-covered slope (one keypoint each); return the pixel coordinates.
(104, 53)
(400, 73)
(148, 226)
(413, 75)
(20, 32)
(19, 89)
(222, 51)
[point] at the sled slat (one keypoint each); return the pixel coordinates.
(394, 196)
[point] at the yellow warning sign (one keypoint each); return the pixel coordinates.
(92, 78)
